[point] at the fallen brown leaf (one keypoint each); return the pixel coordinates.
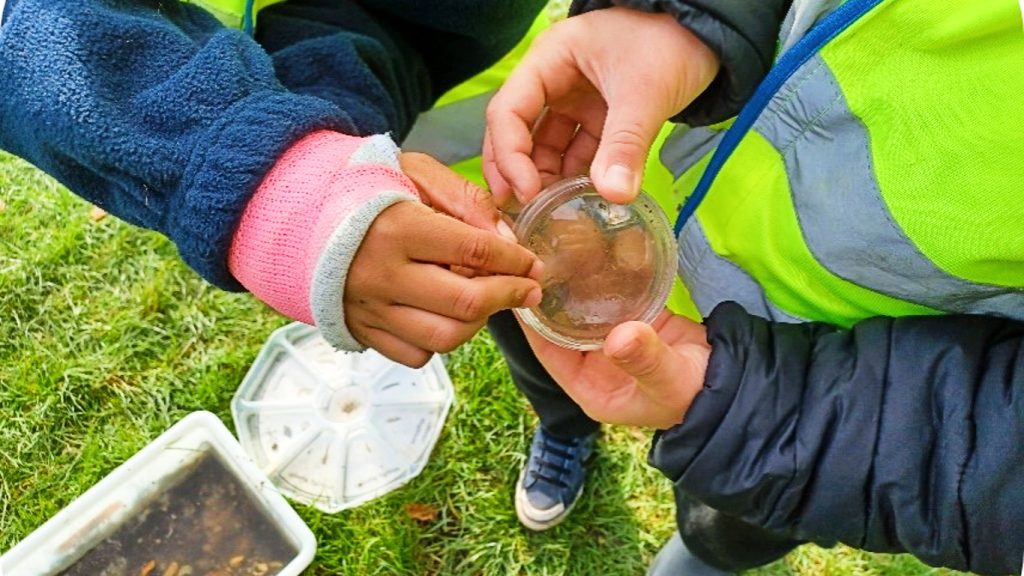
(421, 512)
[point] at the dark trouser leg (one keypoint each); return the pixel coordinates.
(725, 542)
(558, 413)
(674, 559)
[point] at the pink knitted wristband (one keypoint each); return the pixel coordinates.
(308, 193)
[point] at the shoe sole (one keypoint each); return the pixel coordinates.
(540, 525)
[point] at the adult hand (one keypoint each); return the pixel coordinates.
(644, 375)
(592, 91)
(402, 296)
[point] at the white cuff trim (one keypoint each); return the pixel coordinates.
(327, 290)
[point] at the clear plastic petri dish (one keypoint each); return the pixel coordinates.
(604, 263)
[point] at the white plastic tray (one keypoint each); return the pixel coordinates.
(119, 496)
(335, 429)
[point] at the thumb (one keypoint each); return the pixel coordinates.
(629, 131)
(638, 351)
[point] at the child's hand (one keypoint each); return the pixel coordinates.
(402, 297)
(645, 375)
(592, 91)
(379, 249)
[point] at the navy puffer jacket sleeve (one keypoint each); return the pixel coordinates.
(896, 435)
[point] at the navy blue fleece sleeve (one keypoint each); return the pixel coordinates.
(431, 47)
(897, 435)
(153, 111)
(457, 38)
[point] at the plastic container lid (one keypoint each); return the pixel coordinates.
(193, 474)
(604, 263)
(336, 429)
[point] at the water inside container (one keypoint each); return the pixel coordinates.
(204, 522)
(598, 267)
(604, 263)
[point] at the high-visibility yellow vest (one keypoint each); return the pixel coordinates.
(878, 170)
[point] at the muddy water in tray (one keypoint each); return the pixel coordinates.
(204, 523)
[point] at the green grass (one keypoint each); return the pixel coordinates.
(106, 339)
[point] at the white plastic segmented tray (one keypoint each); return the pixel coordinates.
(335, 429)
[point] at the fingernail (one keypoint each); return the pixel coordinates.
(512, 207)
(533, 298)
(519, 196)
(537, 270)
(620, 179)
(506, 232)
(626, 351)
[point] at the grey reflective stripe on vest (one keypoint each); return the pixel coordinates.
(712, 279)
(685, 146)
(451, 133)
(843, 217)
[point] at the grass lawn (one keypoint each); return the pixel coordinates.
(106, 339)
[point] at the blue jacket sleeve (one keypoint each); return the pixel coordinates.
(332, 49)
(897, 435)
(154, 111)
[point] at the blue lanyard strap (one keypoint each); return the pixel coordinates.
(248, 18)
(830, 27)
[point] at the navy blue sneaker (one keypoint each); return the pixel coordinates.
(552, 479)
